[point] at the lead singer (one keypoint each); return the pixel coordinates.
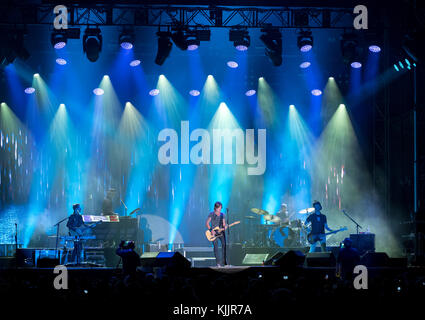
(218, 219)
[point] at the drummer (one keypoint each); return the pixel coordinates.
(283, 214)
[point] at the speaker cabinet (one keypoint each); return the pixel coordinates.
(254, 259)
(375, 259)
(320, 259)
(164, 259)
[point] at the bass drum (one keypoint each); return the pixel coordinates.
(280, 236)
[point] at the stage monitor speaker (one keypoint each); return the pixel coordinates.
(272, 261)
(375, 259)
(320, 259)
(164, 259)
(254, 259)
(288, 260)
(148, 259)
(172, 259)
(25, 258)
(47, 262)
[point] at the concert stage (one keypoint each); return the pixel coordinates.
(235, 152)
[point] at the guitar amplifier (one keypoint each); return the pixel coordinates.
(363, 242)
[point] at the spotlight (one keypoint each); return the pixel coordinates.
(29, 90)
(194, 93)
(98, 91)
(193, 44)
(316, 92)
(305, 41)
(189, 39)
(305, 65)
(250, 93)
(232, 64)
(134, 63)
(154, 92)
(61, 61)
(356, 65)
(349, 48)
(92, 43)
(164, 47)
(126, 39)
(58, 39)
(240, 38)
(272, 39)
(374, 48)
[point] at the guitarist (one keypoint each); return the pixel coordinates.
(217, 219)
(318, 223)
(75, 224)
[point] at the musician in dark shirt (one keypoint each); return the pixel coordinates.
(107, 205)
(217, 219)
(318, 223)
(75, 220)
(74, 224)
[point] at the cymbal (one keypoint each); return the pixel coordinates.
(272, 218)
(305, 211)
(259, 211)
(250, 217)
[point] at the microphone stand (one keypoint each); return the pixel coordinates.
(16, 242)
(57, 235)
(228, 231)
(357, 225)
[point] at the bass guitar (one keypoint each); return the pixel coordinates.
(313, 238)
(217, 231)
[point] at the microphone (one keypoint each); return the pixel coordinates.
(123, 203)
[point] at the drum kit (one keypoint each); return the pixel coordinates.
(277, 231)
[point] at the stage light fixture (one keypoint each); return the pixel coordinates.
(374, 48)
(305, 64)
(272, 39)
(126, 39)
(29, 90)
(305, 40)
(316, 92)
(58, 39)
(134, 63)
(164, 47)
(61, 61)
(12, 46)
(349, 48)
(240, 38)
(98, 91)
(194, 93)
(232, 64)
(154, 92)
(92, 43)
(250, 93)
(180, 39)
(189, 39)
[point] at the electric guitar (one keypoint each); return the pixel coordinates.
(312, 238)
(83, 230)
(218, 231)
